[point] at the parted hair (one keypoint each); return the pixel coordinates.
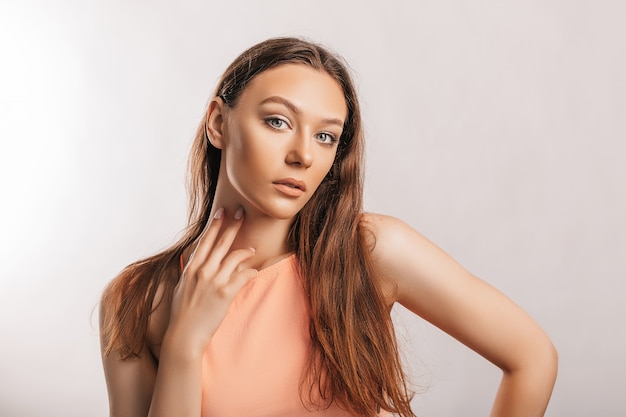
(355, 360)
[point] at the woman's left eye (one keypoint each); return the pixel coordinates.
(326, 137)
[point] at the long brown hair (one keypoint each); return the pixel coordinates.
(355, 359)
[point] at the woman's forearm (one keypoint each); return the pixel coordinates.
(178, 385)
(525, 392)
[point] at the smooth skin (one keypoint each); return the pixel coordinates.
(285, 126)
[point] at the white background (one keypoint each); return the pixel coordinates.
(496, 128)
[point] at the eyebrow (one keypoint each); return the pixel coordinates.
(297, 110)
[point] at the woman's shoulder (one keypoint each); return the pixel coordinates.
(404, 257)
(389, 235)
(126, 295)
(392, 243)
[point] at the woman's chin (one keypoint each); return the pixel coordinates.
(281, 212)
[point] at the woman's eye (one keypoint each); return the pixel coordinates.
(326, 137)
(276, 123)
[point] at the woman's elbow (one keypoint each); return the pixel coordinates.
(551, 359)
(540, 359)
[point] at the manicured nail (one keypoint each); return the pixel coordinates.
(219, 213)
(239, 213)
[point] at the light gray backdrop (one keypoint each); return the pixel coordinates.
(495, 128)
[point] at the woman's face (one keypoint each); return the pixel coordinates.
(280, 139)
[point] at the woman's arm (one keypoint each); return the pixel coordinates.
(431, 284)
(138, 387)
(129, 383)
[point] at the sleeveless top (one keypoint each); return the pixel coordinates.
(255, 360)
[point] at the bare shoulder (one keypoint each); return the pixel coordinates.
(396, 249)
(393, 240)
(158, 319)
(411, 262)
(389, 232)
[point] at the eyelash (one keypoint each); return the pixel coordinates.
(332, 139)
(269, 121)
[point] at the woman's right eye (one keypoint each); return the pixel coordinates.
(276, 123)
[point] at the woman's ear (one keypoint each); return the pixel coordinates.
(215, 122)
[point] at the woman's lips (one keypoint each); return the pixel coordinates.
(290, 187)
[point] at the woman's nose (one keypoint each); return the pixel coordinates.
(300, 152)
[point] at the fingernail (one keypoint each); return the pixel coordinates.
(239, 213)
(219, 213)
(253, 250)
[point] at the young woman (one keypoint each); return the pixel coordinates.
(276, 301)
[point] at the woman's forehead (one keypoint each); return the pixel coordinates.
(306, 88)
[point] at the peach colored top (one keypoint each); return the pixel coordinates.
(254, 363)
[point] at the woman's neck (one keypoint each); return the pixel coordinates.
(268, 236)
